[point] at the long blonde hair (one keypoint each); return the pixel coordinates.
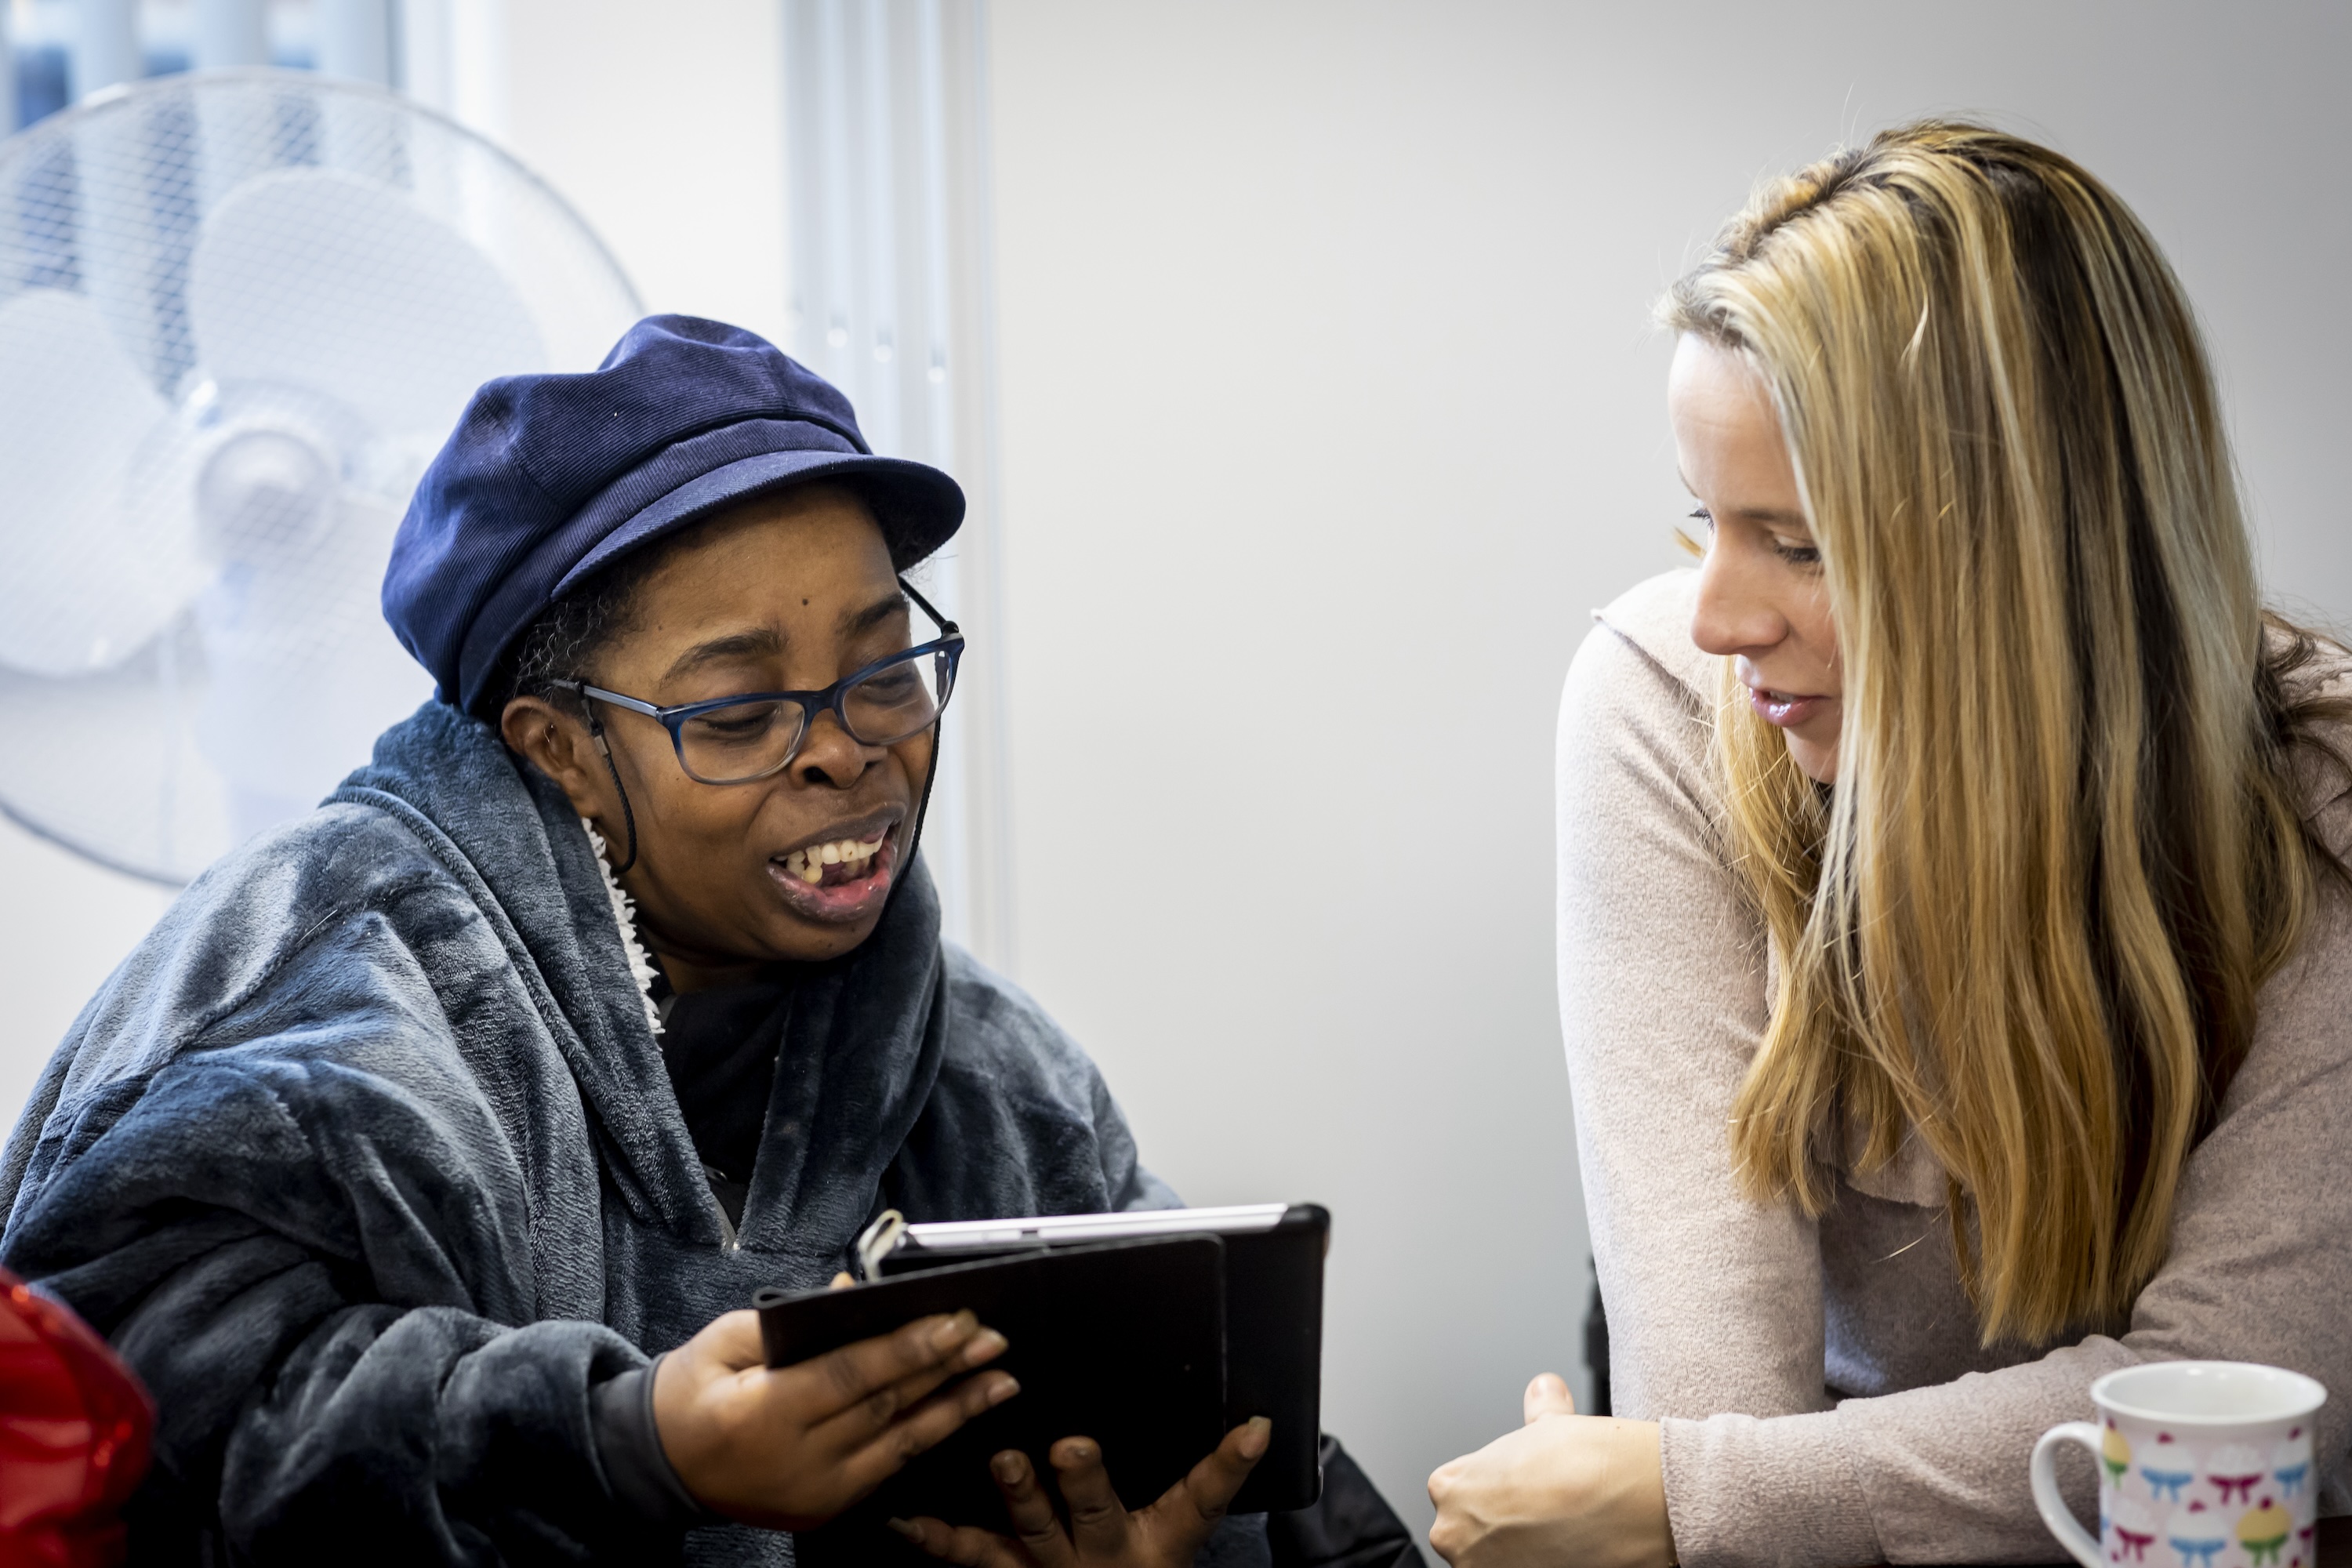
(2064, 848)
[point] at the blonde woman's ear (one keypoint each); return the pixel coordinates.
(1546, 1395)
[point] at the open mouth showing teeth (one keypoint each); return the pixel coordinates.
(831, 865)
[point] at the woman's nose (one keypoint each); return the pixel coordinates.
(1735, 613)
(829, 754)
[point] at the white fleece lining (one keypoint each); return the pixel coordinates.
(625, 915)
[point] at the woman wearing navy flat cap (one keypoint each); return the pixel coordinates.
(611, 991)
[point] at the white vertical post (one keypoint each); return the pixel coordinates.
(878, 89)
(478, 65)
(425, 47)
(355, 40)
(967, 365)
(231, 33)
(453, 58)
(7, 74)
(105, 46)
(885, 107)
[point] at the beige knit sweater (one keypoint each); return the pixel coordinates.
(1825, 1397)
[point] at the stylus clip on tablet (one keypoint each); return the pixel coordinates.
(874, 1244)
(890, 1245)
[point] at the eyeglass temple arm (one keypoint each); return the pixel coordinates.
(938, 723)
(924, 605)
(580, 689)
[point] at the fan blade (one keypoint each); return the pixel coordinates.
(342, 285)
(98, 553)
(301, 672)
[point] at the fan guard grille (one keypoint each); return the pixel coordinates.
(239, 311)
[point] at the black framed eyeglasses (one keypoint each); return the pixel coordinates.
(755, 735)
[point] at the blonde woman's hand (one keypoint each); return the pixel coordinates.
(1564, 1487)
(1101, 1533)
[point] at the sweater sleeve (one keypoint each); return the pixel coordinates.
(2258, 1272)
(1662, 996)
(305, 1240)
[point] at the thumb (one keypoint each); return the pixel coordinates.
(1546, 1395)
(728, 1343)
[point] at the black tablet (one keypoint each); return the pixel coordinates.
(1274, 1309)
(1152, 1333)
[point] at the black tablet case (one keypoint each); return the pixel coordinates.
(1121, 1341)
(1274, 1344)
(1270, 1313)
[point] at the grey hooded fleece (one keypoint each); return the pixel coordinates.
(368, 1162)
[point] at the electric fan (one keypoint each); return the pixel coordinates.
(239, 313)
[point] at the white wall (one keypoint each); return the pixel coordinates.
(64, 925)
(1323, 347)
(1325, 374)
(664, 124)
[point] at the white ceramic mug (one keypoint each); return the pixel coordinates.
(2202, 1463)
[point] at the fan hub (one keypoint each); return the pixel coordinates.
(265, 495)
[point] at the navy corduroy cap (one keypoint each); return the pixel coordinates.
(550, 477)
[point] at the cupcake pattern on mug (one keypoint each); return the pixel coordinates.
(2263, 1531)
(2197, 1533)
(2165, 1503)
(2291, 1466)
(2170, 1468)
(2130, 1528)
(2237, 1471)
(2115, 1455)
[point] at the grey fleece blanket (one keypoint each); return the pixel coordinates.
(367, 1160)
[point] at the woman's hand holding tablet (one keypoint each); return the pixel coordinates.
(1101, 1533)
(790, 1447)
(1142, 1343)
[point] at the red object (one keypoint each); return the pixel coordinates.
(74, 1426)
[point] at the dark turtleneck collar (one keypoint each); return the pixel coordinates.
(721, 1044)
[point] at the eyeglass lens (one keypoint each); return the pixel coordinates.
(751, 740)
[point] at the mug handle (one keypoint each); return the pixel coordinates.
(2055, 1513)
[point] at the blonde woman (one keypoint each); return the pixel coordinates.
(1954, 947)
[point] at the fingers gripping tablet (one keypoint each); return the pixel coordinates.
(1152, 1333)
